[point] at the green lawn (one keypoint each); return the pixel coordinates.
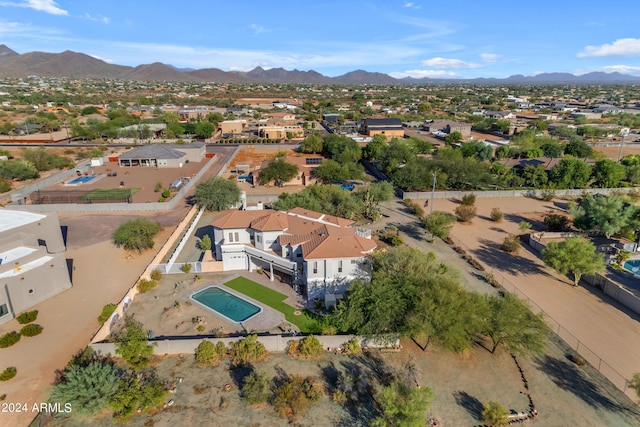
(110, 193)
(305, 321)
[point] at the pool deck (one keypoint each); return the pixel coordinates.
(268, 318)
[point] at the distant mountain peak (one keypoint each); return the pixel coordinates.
(80, 65)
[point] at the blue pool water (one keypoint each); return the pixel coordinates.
(228, 305)
(81, 180)
(632, 265)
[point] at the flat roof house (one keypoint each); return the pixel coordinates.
(33, 267)
(164, 155)
(321, 254)
(390, 128)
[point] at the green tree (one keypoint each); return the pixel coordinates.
(608, 173)
(205, 243)
(137, 392)
(511, 323)
(606, 215)
(570, 173)
(401, 405)
(216, 194)
(578, 148)
(453, 138)
(575, 255)
(311, 144)
(373, 148)
(132, 344)
(136, 234)
(87, 388)
(494, 414)
(439, 223)
(205, 129)
(331, 171)
(279, 171)
(534, 176)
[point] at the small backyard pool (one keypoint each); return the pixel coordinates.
(226, 304)
(632, 265)
(81, 180)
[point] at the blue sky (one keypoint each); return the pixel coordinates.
(445, 39)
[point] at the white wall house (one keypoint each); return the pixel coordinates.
(322, 254)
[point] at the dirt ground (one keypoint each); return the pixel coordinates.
(563, 394)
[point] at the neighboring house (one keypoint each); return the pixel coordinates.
(187, 114)
(500, 115)
(33, 267)
(233, 127)
(281, 132)
(390, 128)
(163, 155)
(321, 254)
(306, 167)
(447, 126)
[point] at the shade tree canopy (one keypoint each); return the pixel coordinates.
(575, 255)
(216, 194)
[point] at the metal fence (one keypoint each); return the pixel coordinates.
(571, 340)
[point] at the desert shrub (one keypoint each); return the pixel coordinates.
(186, 268)
(439, 224)
(293, 347)
(27, 317)
(132, 344)
(494, 414)
(524, 226)
(136, 234)
(158, 187)
(255, 389)
(221, 349)
(247, 351)
(469, 199)
(166, 193)
(496, 215)
(329, 330)
(547, 194)
(145, 285)
(9, 339)
(310, 347)
(511, 243)
(352, 347)
(8, 373)
(206, 353)
(31, 330)
(394, 240)
(415, 207)
(293, 395)
(466, 212)
(556, 222)
(577, 359)
(5, 185)
(107, 311)
(156, 275)
(634, 195)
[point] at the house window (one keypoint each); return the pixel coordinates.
(162, 162)
(258, 238)
(230, 237)
(4, 310)
(353, 261)
(315, 267)
(340, 266)
(237, 236)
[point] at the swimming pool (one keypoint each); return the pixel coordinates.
(226, 304)
(632, 265)
(81, 179)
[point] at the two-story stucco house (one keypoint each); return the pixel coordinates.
(321, 254)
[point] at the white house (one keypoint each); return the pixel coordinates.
(322, 254)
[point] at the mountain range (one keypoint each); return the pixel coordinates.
(79, 65)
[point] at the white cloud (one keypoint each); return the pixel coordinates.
(448, 63)
(411, 5)
(258, 29)
(624, 69)
(490, 57)
(47, 6)
(419, 74)
(620, 47)
(102, 19)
